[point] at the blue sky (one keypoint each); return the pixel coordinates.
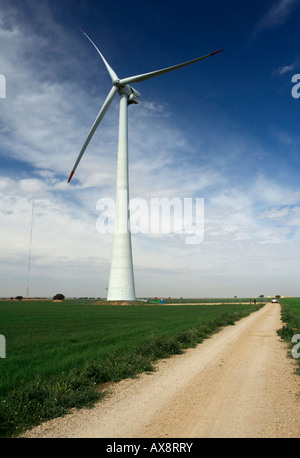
(225, 130)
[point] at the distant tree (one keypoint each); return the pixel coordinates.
(19, 298)
(58, 297)
(262, 295)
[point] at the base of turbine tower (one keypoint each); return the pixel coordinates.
(113, 299)
(120, 295)
(121, 281)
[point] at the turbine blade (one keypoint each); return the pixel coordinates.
(109, 69)
(146, 76)
(97, 121)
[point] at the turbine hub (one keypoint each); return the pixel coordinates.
(116, 83)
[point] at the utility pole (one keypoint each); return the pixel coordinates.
(30, 244)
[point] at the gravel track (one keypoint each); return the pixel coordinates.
(238, 383)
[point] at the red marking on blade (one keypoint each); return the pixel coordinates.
(82, 31)
(70, 177)
(216, 52)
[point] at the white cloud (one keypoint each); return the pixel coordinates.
(288, 68)
(276, 213)
(277, 15)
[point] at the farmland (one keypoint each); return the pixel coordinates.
(292, 303)
(59, 354)
(290, 313)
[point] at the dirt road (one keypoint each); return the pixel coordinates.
(238, 383)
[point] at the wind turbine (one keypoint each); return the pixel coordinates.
(121, 282)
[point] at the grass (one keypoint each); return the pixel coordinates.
(58, 354)
(290, 315)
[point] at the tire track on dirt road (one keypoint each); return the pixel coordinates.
(238, 383)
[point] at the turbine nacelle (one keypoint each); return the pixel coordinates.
(132, 94)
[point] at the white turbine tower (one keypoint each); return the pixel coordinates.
(121, 282)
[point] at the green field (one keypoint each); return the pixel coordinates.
(58, 354)
(292, 303)
(290, 315)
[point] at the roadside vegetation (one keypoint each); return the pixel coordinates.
(59, 354)
(290, 315)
